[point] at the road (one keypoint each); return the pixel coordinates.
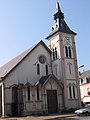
(82, 118)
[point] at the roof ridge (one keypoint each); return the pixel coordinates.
(5, 69)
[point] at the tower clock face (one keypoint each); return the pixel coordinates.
(42, 59)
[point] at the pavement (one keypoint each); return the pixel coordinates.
(48, 117)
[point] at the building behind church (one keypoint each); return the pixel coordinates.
(42, 79)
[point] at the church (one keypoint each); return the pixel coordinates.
(44, 78)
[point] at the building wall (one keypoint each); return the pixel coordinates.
(67, 70)
(52, 43)
(84, 90)
(27, 69)
(52, 85)
(33, 105)
(26, 72)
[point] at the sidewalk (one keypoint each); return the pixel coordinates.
(48, 117)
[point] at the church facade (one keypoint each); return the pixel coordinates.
(43, 79)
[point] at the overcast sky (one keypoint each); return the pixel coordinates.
(24, 22)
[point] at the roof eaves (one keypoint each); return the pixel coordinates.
(41, 42)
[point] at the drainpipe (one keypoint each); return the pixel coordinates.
(3, 93)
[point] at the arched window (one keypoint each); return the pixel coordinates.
(38, 96)
(70, 92)
(38, 69)
(74, 96)
(68, 52)
(28, 92)
(46, 67)
(55, 53)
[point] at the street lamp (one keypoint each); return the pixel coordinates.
(81, 66)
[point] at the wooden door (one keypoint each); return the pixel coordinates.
(52, 101)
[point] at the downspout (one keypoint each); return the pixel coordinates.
(3, 96)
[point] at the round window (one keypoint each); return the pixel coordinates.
(42, 59)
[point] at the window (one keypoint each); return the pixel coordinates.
(55, 53)
(87, 79)
(88, 91)
(42, 59)
(69, 49)
(56, 21)
(56, 25)
(38, 69)
(46, 66)
(37, 92)
(81, 80)
(68, 52)
(70, 93)
(74, 91)
(28, 92)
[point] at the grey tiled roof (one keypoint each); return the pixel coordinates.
(62, 28)
(43, 79)
(8, 67)
(85, 74)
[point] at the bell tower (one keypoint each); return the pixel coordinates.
(61, 41)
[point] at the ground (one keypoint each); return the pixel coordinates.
(49, 117)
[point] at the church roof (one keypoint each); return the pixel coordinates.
(44, 79)
(63, 27)
(8, 67)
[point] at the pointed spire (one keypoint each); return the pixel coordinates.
(58, 7)
(58, 13)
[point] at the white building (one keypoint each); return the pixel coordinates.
(42, 79)
(85, 87)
